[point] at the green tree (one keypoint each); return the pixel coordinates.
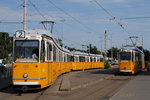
(5, 45)
(93, 49)
(107, 65)
(115, 51)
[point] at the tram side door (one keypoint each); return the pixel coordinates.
(140, 61)
(49, 64)
(49, 74)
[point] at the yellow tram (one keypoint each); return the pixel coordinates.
(131, 59)
(38, 60)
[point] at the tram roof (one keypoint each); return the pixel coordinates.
(130, 47)
(33, 32)
(85, 54)
(79, 53)
(38, 32)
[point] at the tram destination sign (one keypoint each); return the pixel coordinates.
(20, 34)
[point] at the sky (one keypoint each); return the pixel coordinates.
(83, 21)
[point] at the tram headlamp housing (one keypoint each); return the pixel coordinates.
(25, 75)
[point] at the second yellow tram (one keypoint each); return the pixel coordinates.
(131, 59)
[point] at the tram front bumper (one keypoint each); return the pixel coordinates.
(26, 83)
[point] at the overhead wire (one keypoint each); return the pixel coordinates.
(70, 16)
(113, 17)
(33, 5)
(51, 16)
(134, 18)
(46, 18)
(37, 9)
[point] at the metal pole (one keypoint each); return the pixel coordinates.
(63, 33)
(24, 19)
(101, 48)
(47, 25)
(89, 48)
(105, 44)
(111, 48)
(142, 43)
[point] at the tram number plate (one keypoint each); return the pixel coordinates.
(20, 34)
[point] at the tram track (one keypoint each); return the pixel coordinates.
(100, 89)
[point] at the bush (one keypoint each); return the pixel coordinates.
(107, 65)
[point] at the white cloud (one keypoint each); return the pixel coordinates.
(9, 14)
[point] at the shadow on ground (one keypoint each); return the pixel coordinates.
(106, 71)
(145, 72)
(11, 90)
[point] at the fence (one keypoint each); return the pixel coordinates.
(6, 77)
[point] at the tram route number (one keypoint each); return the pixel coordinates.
(20, 34)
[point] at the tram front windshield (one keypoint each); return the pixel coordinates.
(26, 51)
(125, 56)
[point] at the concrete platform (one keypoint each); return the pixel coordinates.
(137, 89)
(80, 79)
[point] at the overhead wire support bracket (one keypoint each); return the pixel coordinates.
(46, 26)
(134, 42)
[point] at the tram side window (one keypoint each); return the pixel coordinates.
(72, 58)
(94, 59)
(49, 50)
(54, 53)
(64, 58)
(59, 58)
(57, 55)
(68, 58)
(42, 51)
(75, 59)
(81, 59)
(88, 59)
(140, 57)
(101, 59)
(136, 57)
(98, 60)
(133, 56)
(91, 59)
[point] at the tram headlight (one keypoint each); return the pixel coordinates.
(25, 75)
